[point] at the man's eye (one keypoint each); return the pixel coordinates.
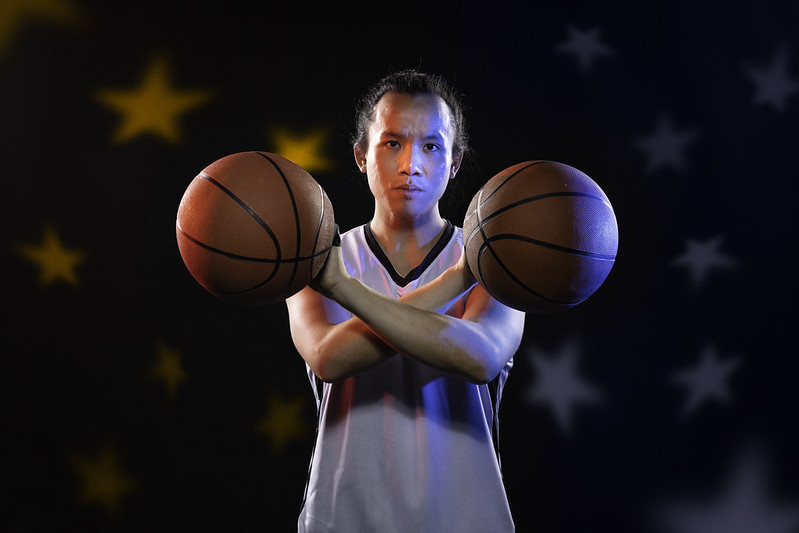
(392, 144)
(430, 147)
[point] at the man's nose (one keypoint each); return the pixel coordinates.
(411, 161)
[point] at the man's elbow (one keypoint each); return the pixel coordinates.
(329, 377)
(323, 363)
(321, 368)
(482, 372)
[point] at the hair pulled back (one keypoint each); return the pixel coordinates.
(410, 82)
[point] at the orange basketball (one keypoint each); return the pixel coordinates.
(254, 228)
(540, 236)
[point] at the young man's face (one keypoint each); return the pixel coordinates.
(409, 158)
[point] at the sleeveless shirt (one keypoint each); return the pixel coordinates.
(402, 447)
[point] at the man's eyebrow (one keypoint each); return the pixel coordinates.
(434, 136)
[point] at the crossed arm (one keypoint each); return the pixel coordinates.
(474, 347)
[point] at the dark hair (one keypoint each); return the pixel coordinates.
(411, 82)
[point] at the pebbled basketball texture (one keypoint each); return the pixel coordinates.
(540, 236)
(254, 228)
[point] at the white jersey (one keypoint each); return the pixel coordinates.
(402, 447)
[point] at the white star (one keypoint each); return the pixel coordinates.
(666, 146)
(772, 84)
(743, 506)
(707, 380)
(701, 257)
(585, 46)
(558, 384)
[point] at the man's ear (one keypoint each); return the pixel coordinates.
(456, 164)
(360, 159)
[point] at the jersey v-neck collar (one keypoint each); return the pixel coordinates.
(414, 274)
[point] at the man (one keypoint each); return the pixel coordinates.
(406, 354)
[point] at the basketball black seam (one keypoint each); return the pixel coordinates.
(250, 259)
(533, 199)
(294, 207)
(279, 259)
(506, 180)
(482, 246)
(253, 259)
(544, 197)
(487, 243)
(269, 278)
(247, 208)
(227, 254)
(487, 246)
(318, 228)
(513, 277)
(566, 249)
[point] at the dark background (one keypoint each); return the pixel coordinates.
(598, 432)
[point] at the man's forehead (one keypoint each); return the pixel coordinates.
(399, 111)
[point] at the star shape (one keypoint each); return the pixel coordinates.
(15, 13)
(154, 107)
(55, 261)
(772, 83)
(305, 150)
(558, 385)
(282, 421)
(706, 381)
(168, 369)
(101, 480)
(585, 45)
(702, 257)
(744, 505)
(665, 148)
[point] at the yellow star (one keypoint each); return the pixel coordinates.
(55, 261)
(153, 107)
(101, 480)
(282, 422)
(14, 13)
(305, 150)
(169, 368)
